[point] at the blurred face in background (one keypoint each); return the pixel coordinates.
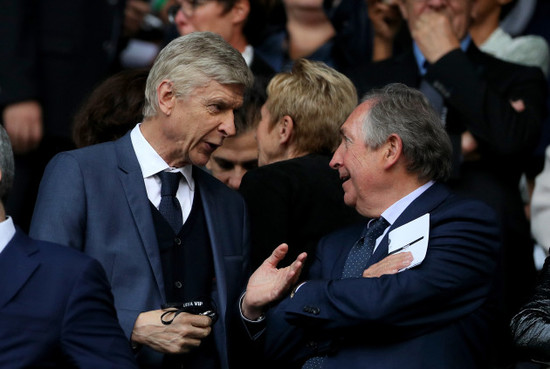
(459, 12)
(234, 158)
(207, 15)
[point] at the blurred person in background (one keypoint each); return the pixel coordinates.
(239, 153)
(294, 196)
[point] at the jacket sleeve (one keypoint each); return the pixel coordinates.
(454, 280)
(484, 104)
(18, 54)
(90, 334)
(60, 211)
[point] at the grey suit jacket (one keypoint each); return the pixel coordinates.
(94, 199)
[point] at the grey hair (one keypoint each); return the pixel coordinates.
(194, 60)
(6, 164)
(405, 111)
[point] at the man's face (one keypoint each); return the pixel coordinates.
(199, 123)
(268, 143)
(360, 168)
(458, 12)
(231, 161)
(204, 15)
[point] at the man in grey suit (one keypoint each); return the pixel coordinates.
(162, 240)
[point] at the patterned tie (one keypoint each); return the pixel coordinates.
(357, 259)
(361, 252)
(435, 98)
(170, 207)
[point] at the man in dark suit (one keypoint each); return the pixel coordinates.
(294, 196)
(164, 230)
(56, 306)
(427, 308)
(492, 111)
(53, 54)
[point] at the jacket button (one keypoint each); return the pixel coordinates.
(311, 309)
(177, 241)
(311, 345)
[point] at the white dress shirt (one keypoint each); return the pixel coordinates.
(151, 163)
(394, 211)
(7, 231)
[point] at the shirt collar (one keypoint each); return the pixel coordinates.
(420, 59)
(393, 212)
(248, 54)
(151, 162)
(7, 231)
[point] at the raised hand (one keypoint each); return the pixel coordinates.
(386, 21)
(434, 34)
(268, 284)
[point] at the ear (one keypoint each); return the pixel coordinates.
(166, 97)
(403, 8)
(240, 11)
(393, 151)
(285, 127)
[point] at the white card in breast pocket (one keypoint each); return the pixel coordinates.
(412, 237)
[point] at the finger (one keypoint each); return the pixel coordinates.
(188, 330)
(277, 255)
(199, 321)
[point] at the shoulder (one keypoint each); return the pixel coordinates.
(56, 258)
(91, 154)
(209, 185)
(62, 257)
(304, 166)
(531, 50)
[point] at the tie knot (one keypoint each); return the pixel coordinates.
(377, 227)
(169, 183)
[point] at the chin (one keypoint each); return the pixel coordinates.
(199, 160)
(349, 201)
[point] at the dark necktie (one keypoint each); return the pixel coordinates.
(355, 264)
(435, 98)
(361, 252)
(170, 207)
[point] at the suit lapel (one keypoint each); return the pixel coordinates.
(214, 223)
(425, 203)
(134, 188)
(16, 265)
(214, 215)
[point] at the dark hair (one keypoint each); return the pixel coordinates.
(249, 114)
(112, 109)
(255, 25)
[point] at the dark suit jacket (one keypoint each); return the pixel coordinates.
(95, 201)
(477, 89)
(434, 315)
(295, 201)
(56, 51)
(56, 310)
(261, 69)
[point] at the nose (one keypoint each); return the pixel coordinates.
(180, 20)
(436, 4)
(227, 126)
(236, 177)
(336, 161)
